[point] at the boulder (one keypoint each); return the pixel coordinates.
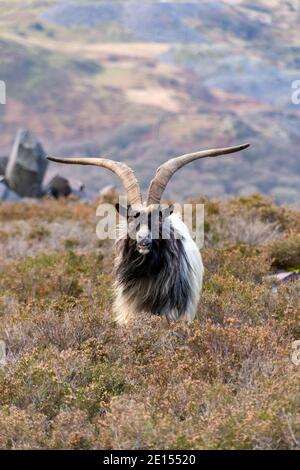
(63, 187)
(59, 187)
(26, 165)
(6, 194)
(3, 164)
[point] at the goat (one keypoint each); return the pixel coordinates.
(155, 275)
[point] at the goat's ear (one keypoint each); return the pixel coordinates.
(171, 209)
(166, 211)
(122, 210)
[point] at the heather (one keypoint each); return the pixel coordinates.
(76, 380)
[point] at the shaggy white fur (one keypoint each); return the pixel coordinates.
(126, 301)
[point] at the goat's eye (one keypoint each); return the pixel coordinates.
(136, 215)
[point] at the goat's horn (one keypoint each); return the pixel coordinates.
(165, 172)
(124, 172)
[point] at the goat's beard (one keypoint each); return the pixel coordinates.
(157, 282)
(140, 261)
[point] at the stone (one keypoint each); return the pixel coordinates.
(284, 276)
(26, 165)
(3, 164)
(59, 187)
(6, 194)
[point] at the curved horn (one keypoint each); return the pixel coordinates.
(124, 172)
(165, 172)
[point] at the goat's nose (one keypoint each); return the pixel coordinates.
(144, 241)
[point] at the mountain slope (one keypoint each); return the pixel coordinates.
(141, 82)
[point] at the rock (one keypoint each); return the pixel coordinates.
(63, 187)
(59, 187)
(3, 164)
(6, 194)
(26, 165)
(284, 276)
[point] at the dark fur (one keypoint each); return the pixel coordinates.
(157, 282)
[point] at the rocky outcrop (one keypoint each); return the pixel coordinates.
(3, 164)
(26, 166)
(24, 170)
(7, 194)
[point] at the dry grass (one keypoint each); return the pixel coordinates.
(247, 229)
(75, 380)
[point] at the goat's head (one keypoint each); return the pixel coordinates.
(141, 217)
(146, 224)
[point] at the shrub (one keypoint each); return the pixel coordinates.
(286, 252)
(22, 429)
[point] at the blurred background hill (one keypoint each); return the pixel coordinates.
(143, 81)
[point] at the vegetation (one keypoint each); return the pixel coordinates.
(75, 380)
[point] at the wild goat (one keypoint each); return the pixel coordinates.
(155, 275)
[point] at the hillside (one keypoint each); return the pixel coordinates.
(143, 81)
(74, 379)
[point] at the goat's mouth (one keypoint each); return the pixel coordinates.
(143, 249)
